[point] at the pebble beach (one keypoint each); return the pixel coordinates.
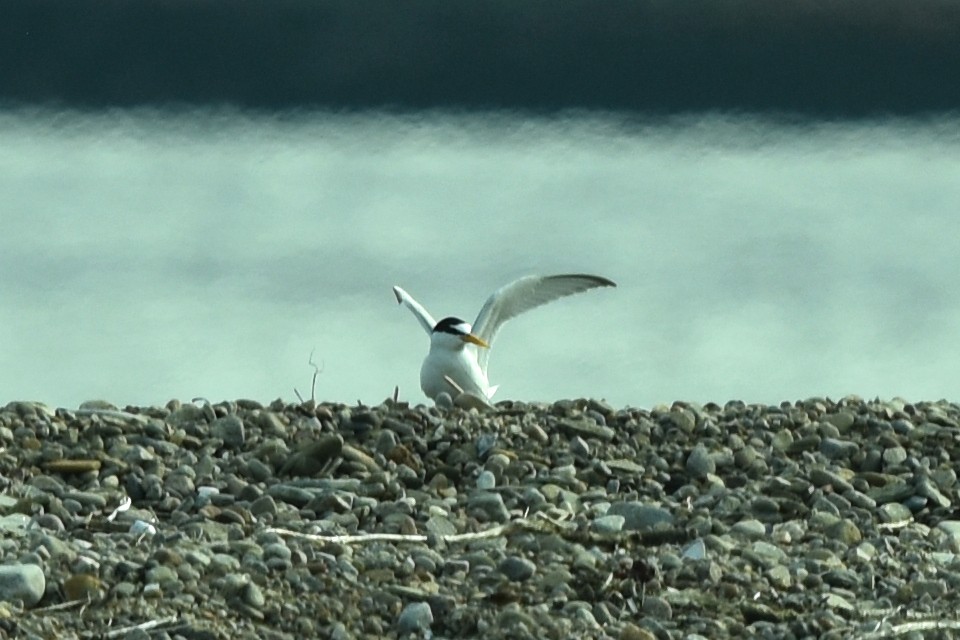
(818, 518)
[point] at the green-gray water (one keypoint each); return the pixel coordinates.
(148, 255)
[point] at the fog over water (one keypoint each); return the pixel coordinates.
(146, 255)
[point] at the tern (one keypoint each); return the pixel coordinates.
(457, 361)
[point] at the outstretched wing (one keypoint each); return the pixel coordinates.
(522, 295)
(426, 320)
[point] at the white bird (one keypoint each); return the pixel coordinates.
(457, 361)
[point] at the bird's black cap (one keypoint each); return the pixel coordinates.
(451, 325)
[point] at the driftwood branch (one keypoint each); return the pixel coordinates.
(70, 604)
(538, 523)
(317, 370)
(910, 627)
(114, 633)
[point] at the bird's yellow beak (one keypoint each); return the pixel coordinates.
(472, 339)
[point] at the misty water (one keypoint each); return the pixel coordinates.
(149, 255)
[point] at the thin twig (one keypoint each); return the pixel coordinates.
(316, 372)
(389, 537)
(909, 627)
(110, 413)
(145, 625)
(58, 607)
(895, 525)
(540, 522)
(313, 382)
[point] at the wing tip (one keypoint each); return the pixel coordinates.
(397, 294)
(598, 281)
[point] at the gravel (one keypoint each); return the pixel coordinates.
(817, 518)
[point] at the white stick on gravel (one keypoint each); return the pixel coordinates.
(146, 625)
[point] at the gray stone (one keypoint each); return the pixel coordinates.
(845, 531)
(486, 480)
(657, 608)
(124, 590)
(488, 505)
(608, 523)
(517, 569)
(624, 467)
(929, 490)
(842, 420)
(22, 582)
(252, 595)
(13, 523)
(416, 617)
(936, 589)
(937, 415)
(894, 456)
(782, 440)
(7, 503)
(915, 503)
(271, 424)
(583, 615)
(186, 414)
(842, 578)
(699, 463)
(230, 430)
(750, 529)
(639, 516)
(258, 470)
(894, 512)
(264, 505)
(179, 485)
(945, 479)
(579, 446)
(485, 443)
(766, 554)
(861, 500)
(98, 405)
(809, 442)
(162, 575)
(837, 449)
(696, 550)
(823, 478)
(586, 429)
(896, 491)
(951, 527)
(779, 577)
(834, 601)
(277, 550)
(440, 525)
(631, 631)
(683, 419)
(297, 496)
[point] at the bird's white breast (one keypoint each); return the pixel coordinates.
(460, 364)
